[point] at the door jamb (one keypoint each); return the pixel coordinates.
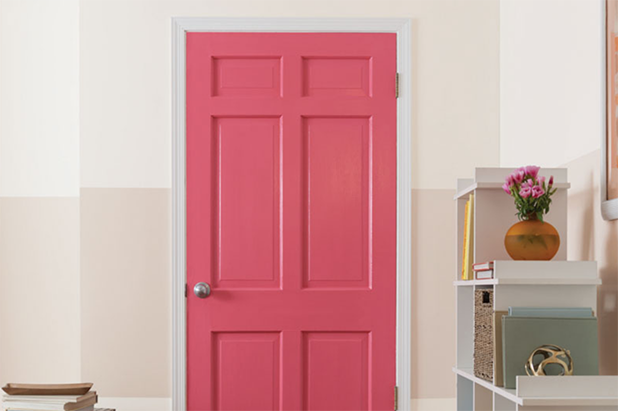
(402, 27)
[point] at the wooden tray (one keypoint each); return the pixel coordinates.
(47, 389)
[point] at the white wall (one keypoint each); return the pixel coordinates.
(39, 98)
(550, 80)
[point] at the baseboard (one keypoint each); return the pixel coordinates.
(433, 404)
(135, 403)
(165, 404)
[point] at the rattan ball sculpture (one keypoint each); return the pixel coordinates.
(552, 354)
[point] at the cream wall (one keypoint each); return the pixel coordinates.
(39, 289)
(592, 238)
(122, 283)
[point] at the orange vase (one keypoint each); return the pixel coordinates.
(532, 240)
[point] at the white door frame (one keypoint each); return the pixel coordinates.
(402, 27)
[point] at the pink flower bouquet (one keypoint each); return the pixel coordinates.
(531, 193)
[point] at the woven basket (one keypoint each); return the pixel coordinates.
(484, 334)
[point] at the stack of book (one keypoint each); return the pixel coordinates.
(484, 271)
(49, 397)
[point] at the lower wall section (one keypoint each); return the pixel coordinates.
(165, 404)
(433, 294)
(125, 288)
(434, 404)
(39, 290)
(135, 404)
(85, 294)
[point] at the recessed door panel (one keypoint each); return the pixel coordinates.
(248, 201)
(338, 165)
(336, 367)
(248, 76)
(246, 371)
(334, 76)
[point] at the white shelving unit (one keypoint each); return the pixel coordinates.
(553, 283)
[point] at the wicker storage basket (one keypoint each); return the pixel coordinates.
(484, 334)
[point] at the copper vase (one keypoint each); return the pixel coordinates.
(532, 240)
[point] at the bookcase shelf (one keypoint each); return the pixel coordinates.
(529, 281)
(551, 391)
(540, 273)
(494, 213)
(523, 284)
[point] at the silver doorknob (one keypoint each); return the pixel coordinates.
(201, 290)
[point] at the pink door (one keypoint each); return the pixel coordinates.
(291, 220)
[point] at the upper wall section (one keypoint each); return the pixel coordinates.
(39, 104)
(126, 82)
(550, 75)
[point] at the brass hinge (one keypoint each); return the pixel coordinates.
(396, 398)
(396, 85)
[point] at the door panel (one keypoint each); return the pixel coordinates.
(248, 158)
(335, 76)
(247, 76)
(247, 372)
(291, 218)
(337, 211)
(341, 384)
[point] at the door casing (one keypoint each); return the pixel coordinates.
(402, 27)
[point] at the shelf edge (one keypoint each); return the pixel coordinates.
(486, 384)
(529, 281)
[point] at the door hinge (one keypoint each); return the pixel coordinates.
(185, 290)
(396, 398)
(396, 85)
